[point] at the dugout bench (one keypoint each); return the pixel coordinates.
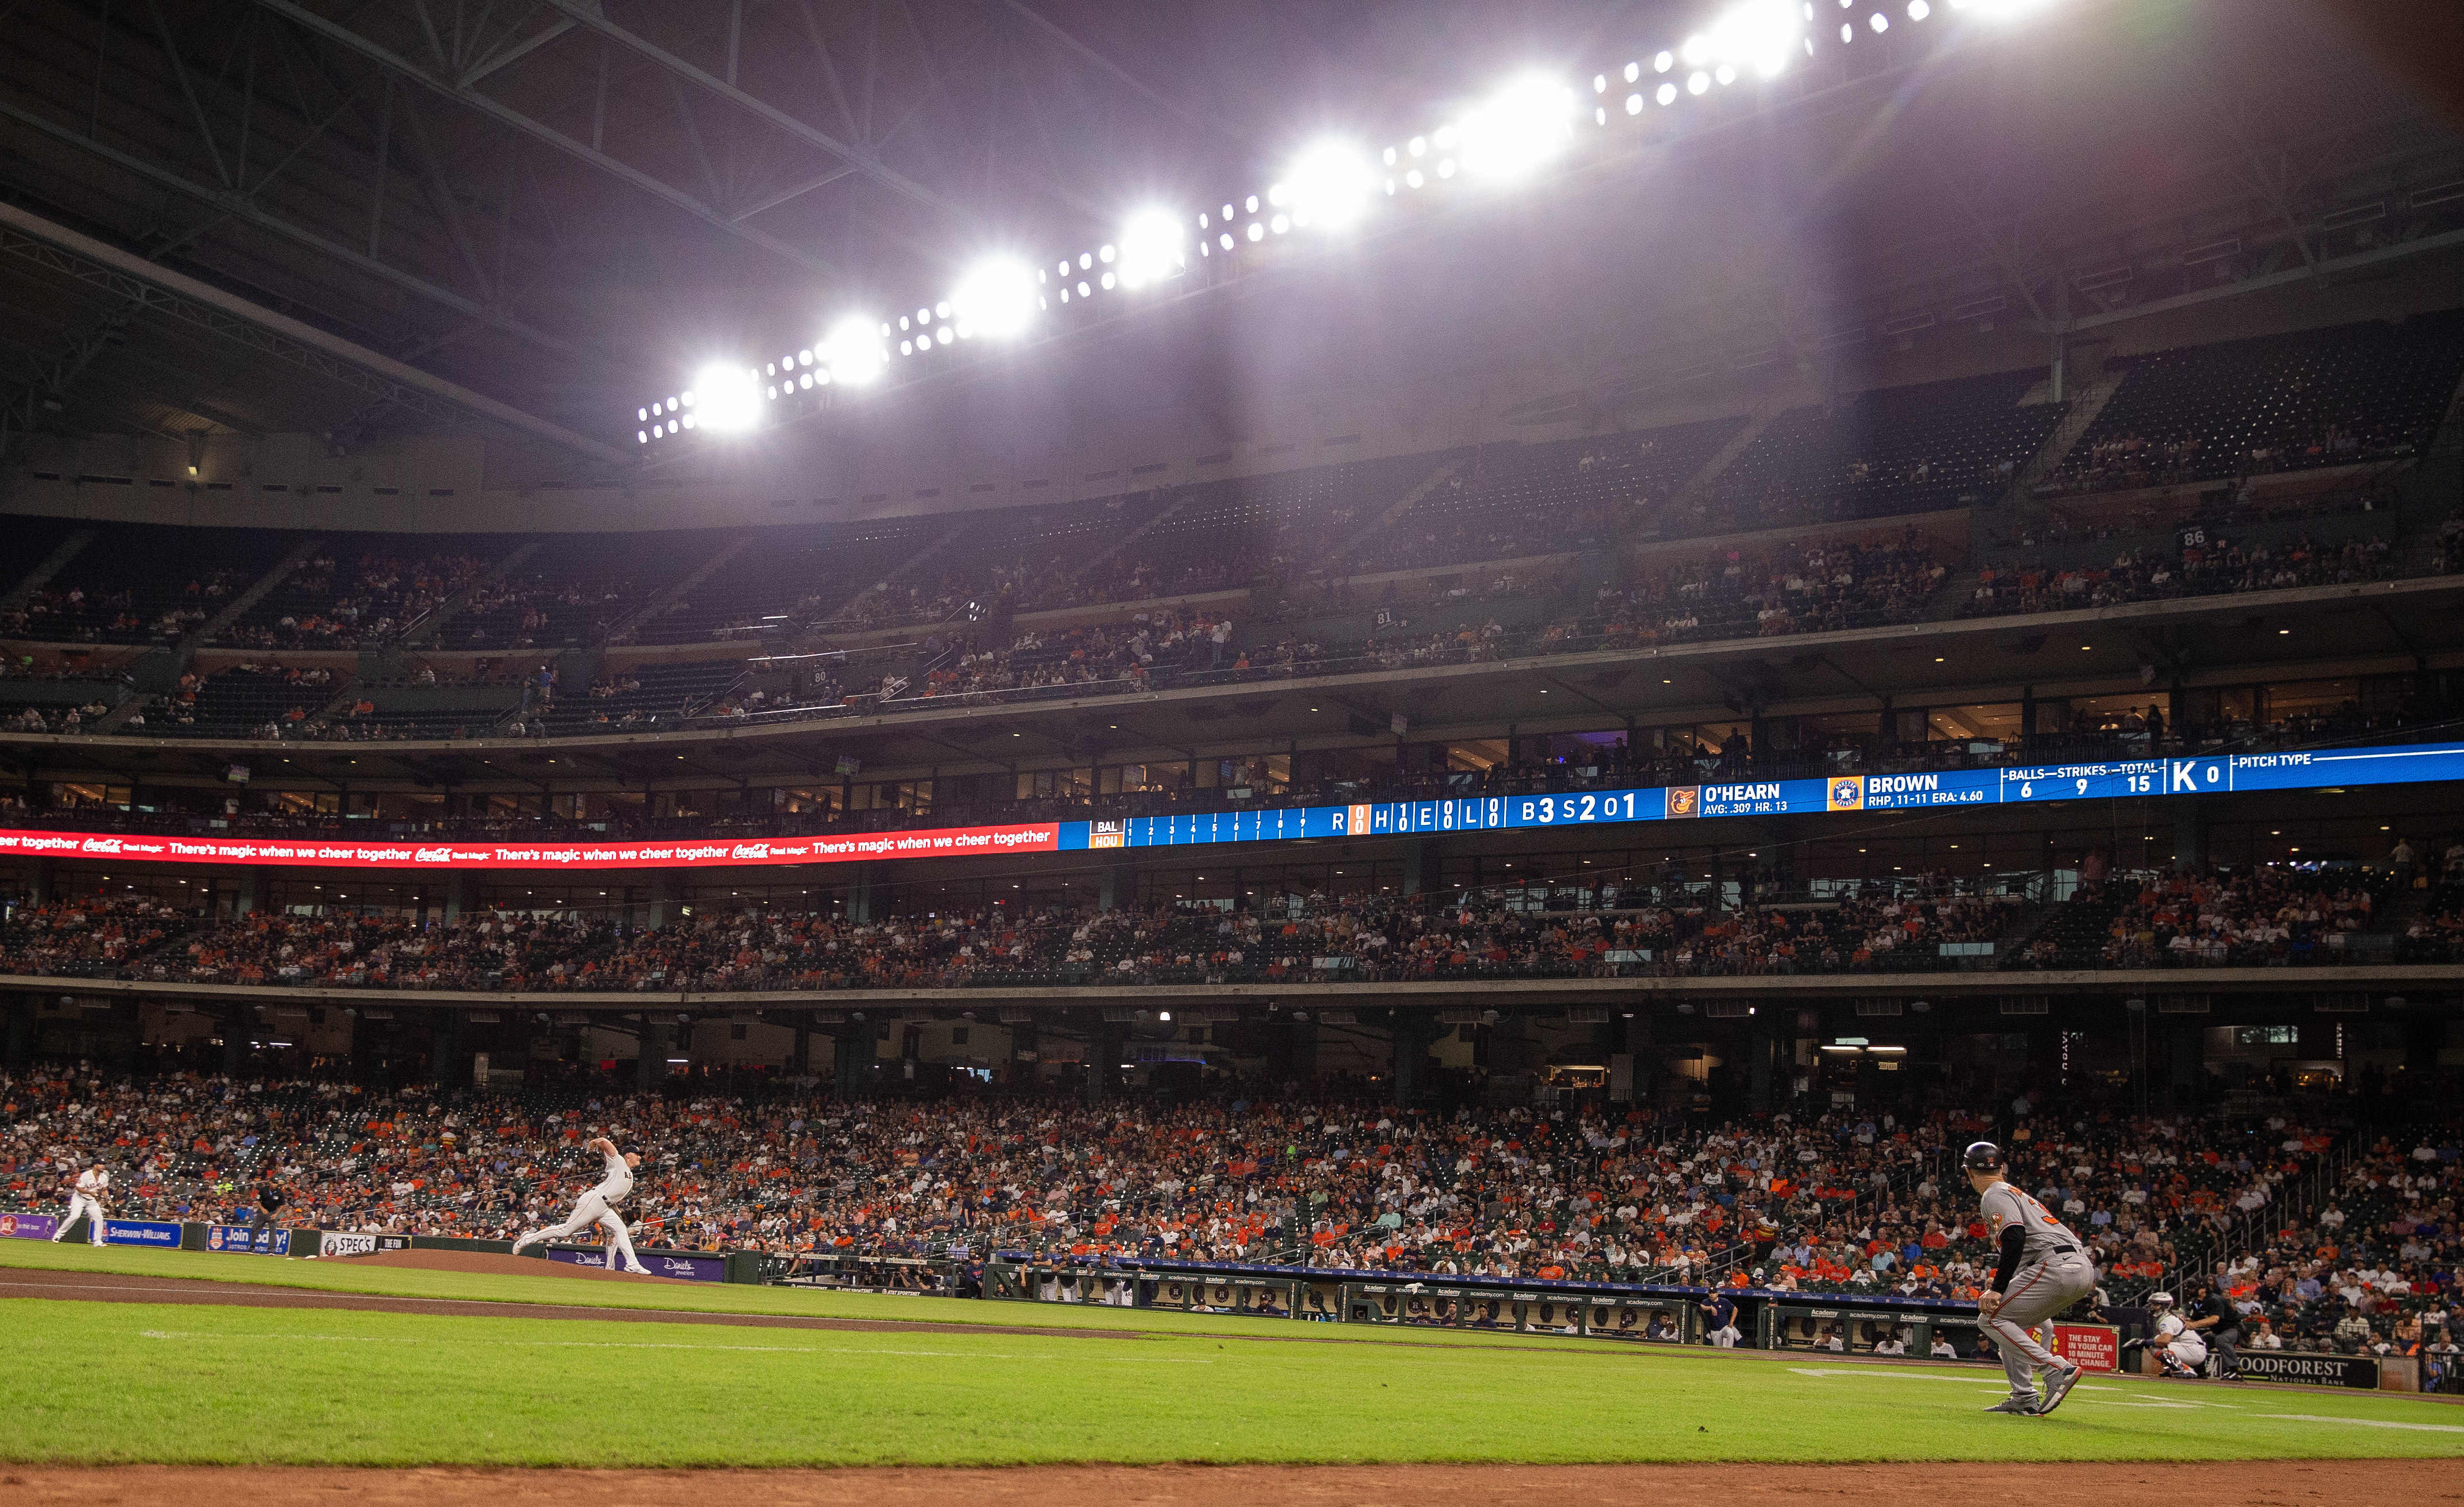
(1672, 1317)
(1783, 1325)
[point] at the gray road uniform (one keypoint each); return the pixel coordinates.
(2054, 1273)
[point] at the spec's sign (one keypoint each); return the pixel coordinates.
(244, 1240)
(29, 1227)
(141, 1233)
(2316, 1370)
(345, 1243)
(940, 842)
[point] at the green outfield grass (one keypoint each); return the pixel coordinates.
(343, 1276)
(184, 1384)
(103, 1383)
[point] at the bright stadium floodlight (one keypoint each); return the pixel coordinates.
(853, 354)
(1520, 127)
(1151, 248)
(727, 398)
(998, 298)
(1330, 184)
(1759, 34)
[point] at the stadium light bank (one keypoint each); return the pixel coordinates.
(1331, 186)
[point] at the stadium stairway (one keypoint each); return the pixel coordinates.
(34, 581)
(427, 627)
(160, 671)
(2084, 408)
(657, 601)
(1402, 505)
(1700, 482)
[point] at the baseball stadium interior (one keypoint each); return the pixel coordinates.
(1261, 670)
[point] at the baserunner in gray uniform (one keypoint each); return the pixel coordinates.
(2044, 1269)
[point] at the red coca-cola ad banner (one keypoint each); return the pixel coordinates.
(714, 852)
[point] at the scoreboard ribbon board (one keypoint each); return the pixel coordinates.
(1708, 800)
(2215, 774)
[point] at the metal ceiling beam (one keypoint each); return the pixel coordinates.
(507, 116)
(2399, 250)
(240, 206)
(142, 284)
(585, 15)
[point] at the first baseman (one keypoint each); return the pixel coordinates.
(2044, 1269)
(85, 1198)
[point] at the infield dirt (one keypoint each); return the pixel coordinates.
(2257, 1484)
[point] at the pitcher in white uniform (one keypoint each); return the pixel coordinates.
(2044, 1269)
(85, 1199)
(598, 1206)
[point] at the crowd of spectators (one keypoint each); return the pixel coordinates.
(2198, 568)
(2373, 1271)
(379, 595)
(1622, 926)
(2262, 915)
(1621, 1195)
(98, 934)
(70, 613)
(1846, 1201)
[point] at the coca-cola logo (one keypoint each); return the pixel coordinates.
(433, 855)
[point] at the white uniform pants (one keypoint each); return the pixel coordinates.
(2189, 1351)
(592, 1209)
(2036, 1293)
(79, 1204)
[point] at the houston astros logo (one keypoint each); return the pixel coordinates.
(1847, 793)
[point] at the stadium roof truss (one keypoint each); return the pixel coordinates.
(486, 189)
(556, 205)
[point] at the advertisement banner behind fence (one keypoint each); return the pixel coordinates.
(345, 1243)
(29, 1227)
(690, 1268)
(2095, 1346)
(141, 1233)
(2314, 1370)
(245, 1239)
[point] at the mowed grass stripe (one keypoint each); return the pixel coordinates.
(193, 1384)
(342, 1275)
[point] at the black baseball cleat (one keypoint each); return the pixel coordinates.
(2058, 1386)
(2024, 1407)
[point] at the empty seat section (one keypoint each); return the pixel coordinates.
(792, 576)
(577, 589)
(1246, 528)
(643, 696)
(138, 583)
(1024, 558)
(244, 700)
(2350, 393)
(1893, 449)
(1512, 501)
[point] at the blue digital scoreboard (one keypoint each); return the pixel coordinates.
(2217, 774)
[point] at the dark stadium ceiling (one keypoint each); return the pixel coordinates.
(565, 204)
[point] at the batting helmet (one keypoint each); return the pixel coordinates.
(1982, 1155)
